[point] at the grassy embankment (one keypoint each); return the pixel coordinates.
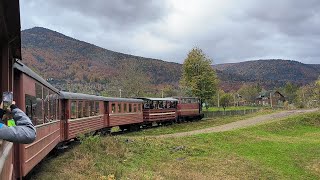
(286, 149)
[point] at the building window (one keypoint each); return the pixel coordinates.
(139, 107)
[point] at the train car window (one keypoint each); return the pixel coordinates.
(52, 106)
(57, 103)
(139, 107)
(125, 107)
(134, 108)
(46, 97)
(97, 108)
(86, 109)
(92, 112)
(80, 110)
(73, 109)
(113, 108)
(31, 104)
(130, 107)
(119, 107)
(39, 105)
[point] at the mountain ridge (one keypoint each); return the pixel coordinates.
(68, 60)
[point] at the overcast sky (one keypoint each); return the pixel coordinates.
(226, 30)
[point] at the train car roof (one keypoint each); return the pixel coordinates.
(185, 97)
(80, 96)
(25, 69)
(158, 99)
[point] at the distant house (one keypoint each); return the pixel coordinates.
(270, 98)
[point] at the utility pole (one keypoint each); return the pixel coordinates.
(162, 93)
(271, 99)
(120, 92)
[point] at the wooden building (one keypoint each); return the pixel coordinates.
(270, 98)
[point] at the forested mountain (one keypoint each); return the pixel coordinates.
(69, 62)
(269, 73)
(82, 67)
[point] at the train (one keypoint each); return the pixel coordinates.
(61, 116)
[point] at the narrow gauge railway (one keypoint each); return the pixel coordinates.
(62, 116)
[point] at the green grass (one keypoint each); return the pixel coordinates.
(204, 123)
(230, 108)
(286, 149)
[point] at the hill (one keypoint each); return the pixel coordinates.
(68, 61)
(82, 67)
(269, 73)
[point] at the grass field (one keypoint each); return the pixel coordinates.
(230, 108)
(204, 123)
(286, 149)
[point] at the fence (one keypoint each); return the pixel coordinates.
(211, 114)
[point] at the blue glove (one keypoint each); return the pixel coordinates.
(2, 125)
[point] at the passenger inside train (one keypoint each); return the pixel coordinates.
(15, 125)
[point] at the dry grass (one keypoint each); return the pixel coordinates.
(289, 149)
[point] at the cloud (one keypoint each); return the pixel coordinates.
(227, 31)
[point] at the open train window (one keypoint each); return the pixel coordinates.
(139, 107)
(134, 108)
(113, 108)
(130, 107)
(73, 109)
(86, 109)
(97, 108)
(125, 107)
(119, 107)
(52, 106)
(92, 110)
(46, 97)
(80, 110)
(31, 105)
(39, 107)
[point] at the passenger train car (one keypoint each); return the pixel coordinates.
(61, 116)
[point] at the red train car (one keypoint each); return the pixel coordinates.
(124, 112)
(81, 113)
(189, 108)
(40, 101)
(159, 109)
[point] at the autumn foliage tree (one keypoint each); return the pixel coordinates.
(198, 76)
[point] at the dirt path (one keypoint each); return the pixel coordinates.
(242, 123)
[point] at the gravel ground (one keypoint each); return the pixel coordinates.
(242, 123)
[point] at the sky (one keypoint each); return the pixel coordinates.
(226, 30)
